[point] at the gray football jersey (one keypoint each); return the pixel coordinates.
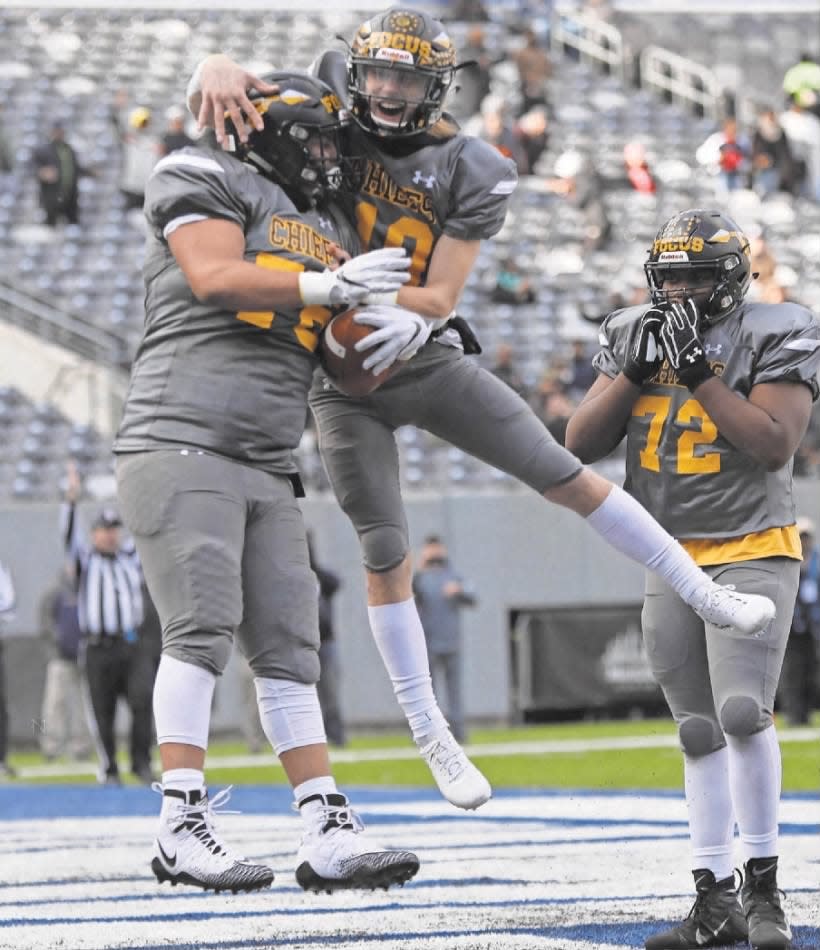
(678, 465)
(231, 383)
(458, 186)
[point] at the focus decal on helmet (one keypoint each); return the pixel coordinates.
(400, 66)
(702, 254)
(303, 146)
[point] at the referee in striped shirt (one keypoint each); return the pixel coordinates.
(110, 608)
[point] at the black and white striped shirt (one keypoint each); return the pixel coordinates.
(109, 601)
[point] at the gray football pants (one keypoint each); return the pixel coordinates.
(224, 551)
(452, 397)
(715, 681)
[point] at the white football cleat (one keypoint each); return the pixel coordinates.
(335, 853)
(187, 849)
(459, 781)
(726, 607)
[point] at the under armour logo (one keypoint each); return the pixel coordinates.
(421, 179)
(326, 223)
(713, 349)
(693, 356)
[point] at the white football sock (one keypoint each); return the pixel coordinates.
(399, 636)
(290, 713)
(182, 702)
(711, 819)
(322, 785)
(630, 529)
(755, 774)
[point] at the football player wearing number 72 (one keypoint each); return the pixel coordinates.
(438, 193)
(713, 394)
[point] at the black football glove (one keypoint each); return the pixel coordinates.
(682, 343)
(645, 355)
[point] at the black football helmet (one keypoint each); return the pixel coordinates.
(304, 144)
(706, 256)
(416, 59)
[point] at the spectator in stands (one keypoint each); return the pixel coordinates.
(577, 180)
(532, 129)
(798, 682)
(175, 136)
(8, 600)
(802, 128)
(553, 405)
(767, 288)
(58, 172)
(512, 285)
(440, 593)
(472, 85)
(108, 577)
(534, 71)
(329, 685)
(6, 157)
(727, 154)
(772, 161)
(497, 128)
(807, 457)
(636, 168)
(580, 373)
(802, 83)
(470, 11)
(63, 720)
(504, 369)
(141, 150)
(118, 114)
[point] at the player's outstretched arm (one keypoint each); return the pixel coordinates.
(220, 85)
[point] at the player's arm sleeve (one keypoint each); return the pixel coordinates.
(188, 186)
(482, 183)
(605, 361)
(791, 351)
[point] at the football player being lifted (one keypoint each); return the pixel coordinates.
(713, 395)
(438, 193)
(205, 473)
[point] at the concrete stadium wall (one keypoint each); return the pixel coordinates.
(519, 552)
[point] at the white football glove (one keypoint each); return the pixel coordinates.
(399, 334)
(382, 271)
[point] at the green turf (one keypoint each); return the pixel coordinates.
(656, 768)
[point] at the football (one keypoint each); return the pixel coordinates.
(342, 362)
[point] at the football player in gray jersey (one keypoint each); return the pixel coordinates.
(437, 193)
(713, 395)
(240, 275)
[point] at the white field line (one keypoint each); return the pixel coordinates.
(487, 750)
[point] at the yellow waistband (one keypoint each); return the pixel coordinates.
(773, 542)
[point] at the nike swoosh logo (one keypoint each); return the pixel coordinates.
(170, 861)
(759, 872)
(787, 932)
(701, 938)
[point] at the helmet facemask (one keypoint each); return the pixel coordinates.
(393, 99)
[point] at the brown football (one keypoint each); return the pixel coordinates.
(342, 362)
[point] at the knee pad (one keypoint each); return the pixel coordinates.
(699, 736)
(384, 547)
(743, 716)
